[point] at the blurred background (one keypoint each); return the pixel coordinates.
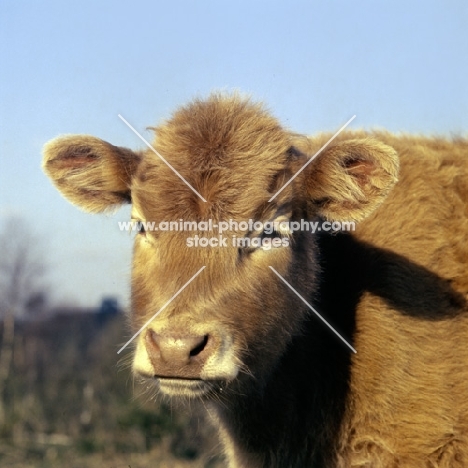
(66, 397)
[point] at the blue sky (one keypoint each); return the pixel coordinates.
(71, 67)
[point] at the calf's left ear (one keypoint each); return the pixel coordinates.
(91, 173)
(348, 180)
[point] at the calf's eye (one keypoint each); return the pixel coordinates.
(264, 241)
(138, 227)
(141, 229)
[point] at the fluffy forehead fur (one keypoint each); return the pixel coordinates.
(228, 149)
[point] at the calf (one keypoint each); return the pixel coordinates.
(233, 325)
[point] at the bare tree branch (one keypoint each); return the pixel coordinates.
(22, 267)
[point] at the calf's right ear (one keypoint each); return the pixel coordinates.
(91, 173)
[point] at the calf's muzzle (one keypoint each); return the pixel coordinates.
(176, 355)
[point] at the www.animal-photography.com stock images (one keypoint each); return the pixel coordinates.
(234, 234)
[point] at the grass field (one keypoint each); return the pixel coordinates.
(69, 401)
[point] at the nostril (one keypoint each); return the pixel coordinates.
(152, 344)
(199, 347)
(152, 338)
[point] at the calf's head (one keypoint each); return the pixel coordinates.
(224, 159)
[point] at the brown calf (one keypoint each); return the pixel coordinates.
(283, 388)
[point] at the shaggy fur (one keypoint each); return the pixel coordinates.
(284, 391)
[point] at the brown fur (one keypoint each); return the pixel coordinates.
(284, 390)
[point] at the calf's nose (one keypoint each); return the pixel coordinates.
(177, 355)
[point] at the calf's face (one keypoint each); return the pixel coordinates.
(235, 318)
